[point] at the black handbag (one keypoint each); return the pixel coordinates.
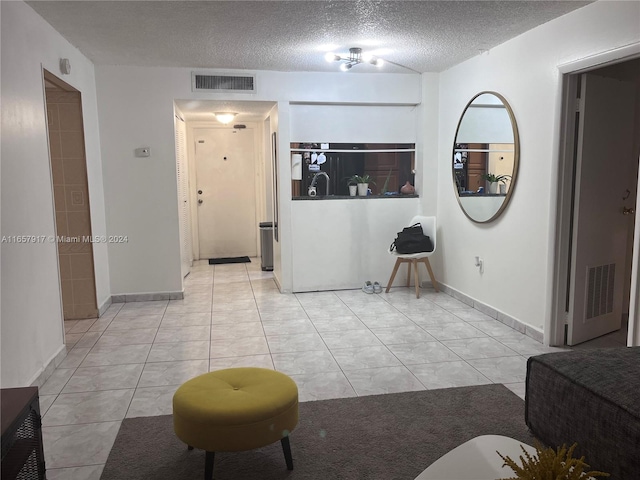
(412, 240)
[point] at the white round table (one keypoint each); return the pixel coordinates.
(477, 460)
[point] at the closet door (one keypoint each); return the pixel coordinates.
(183, 196)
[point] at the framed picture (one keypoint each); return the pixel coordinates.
(276, 203)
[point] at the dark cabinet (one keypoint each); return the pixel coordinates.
(22, 451)
(397, 165)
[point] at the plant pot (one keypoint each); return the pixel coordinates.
(362, 189)
(503, 189)
(493, 188)
(353, 189)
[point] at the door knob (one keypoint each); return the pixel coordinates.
(200, 201)
(199, 192)
(628, 211)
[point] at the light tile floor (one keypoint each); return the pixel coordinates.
(333, 344)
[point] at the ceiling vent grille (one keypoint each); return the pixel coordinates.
(223, 83)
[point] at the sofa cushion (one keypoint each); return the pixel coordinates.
(591, 397)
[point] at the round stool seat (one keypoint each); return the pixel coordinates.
(235, 409)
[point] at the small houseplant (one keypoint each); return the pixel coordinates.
(494, 180)
(549, 463)
(363, 182)
(352, 183)
(386, 183)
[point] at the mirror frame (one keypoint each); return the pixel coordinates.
(516, 156)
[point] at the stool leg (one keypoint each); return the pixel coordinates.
(417, 276)
(286, 448)
(189, 447)
(409, 263)
(208, 465)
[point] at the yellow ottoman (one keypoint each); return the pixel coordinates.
(236, 409)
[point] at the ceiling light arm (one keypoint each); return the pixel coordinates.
(399, 65)
(356, 57)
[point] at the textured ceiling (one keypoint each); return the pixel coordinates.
(426, 36)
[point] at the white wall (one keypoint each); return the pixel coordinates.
(339, 244)
(353, 123)
(140, 193)
(485, 125)
(136, 110)
(32, 327)
(427, 147)
(518, 247)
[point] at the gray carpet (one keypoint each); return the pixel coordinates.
(382, 437)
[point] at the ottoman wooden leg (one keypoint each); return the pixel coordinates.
(189, 447)
(286, 448)
(208, 466)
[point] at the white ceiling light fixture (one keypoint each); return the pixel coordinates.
(225, 117)
(355, 57)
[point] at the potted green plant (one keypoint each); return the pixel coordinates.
(386, 183)
(363, 182)
(494, 180)
(352, 183)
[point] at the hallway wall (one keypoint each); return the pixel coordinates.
(136, 110)
(32, 329)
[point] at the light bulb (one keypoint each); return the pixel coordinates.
(345, 66)
(378, 62)
(225, 117)
(332, 57)
(367, 57)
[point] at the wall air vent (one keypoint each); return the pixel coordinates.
(600, 283)
(201, 82)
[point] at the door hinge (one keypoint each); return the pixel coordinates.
(577, 104)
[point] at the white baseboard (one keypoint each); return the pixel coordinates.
(146, 297)
(45, 372)
(509, 321)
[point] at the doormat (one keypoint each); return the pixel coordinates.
(219, 261)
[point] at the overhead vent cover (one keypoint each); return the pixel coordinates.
(223, 83)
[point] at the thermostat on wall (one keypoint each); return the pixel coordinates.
(143, 152)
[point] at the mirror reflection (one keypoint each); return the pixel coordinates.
(485, 157)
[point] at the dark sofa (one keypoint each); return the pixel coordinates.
(591, 397)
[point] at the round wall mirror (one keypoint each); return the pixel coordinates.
(486, 151)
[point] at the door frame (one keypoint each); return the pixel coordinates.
(562, 228)
(48, 76)
(191, 158)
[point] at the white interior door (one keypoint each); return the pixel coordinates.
(605, 143)
(225, 173)
(182, 172)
